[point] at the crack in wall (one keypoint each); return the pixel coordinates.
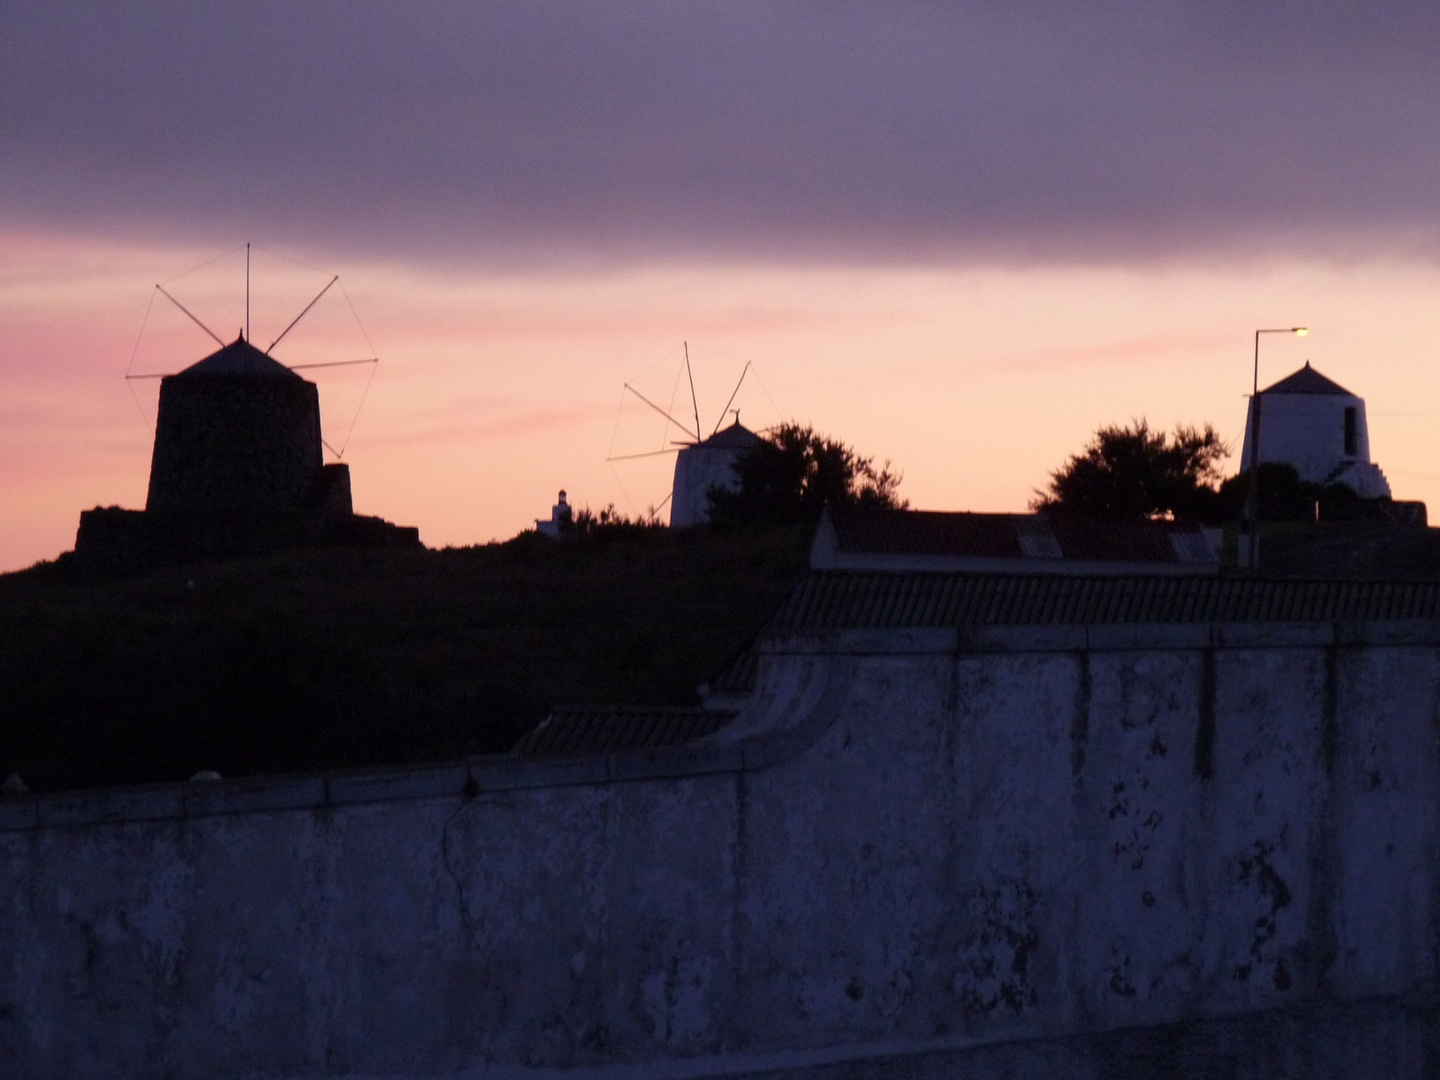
(467, 796)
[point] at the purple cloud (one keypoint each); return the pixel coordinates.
(548, 132)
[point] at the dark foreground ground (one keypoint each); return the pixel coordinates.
(327, 659)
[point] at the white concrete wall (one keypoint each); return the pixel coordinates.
(917, 852)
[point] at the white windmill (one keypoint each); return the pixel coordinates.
(702, 461)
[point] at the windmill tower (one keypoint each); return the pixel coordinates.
(700, 466)
(1319, 427)
(237, 432)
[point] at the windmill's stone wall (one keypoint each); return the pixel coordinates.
(234, 445)
(1104, 852)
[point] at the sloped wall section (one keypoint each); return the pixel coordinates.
(1108, 851)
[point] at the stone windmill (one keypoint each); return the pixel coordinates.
(237, 468)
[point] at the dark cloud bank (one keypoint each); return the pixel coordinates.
(860, 132)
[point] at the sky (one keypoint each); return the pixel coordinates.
(958, 236)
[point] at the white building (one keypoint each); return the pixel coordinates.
(1318, 426)
(703, 465)
(560, 519)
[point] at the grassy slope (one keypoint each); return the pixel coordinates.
(323, 659)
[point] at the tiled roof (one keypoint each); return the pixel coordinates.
(934, 534)
(739, 675)
(1123, 541)
(925, 532)
(1306, 381)
(607, 729)
(239, 358)
(843, 600)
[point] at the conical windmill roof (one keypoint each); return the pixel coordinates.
(1306, 381)
(734, 436)
(239, 359)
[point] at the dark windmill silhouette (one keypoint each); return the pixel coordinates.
(238, 464)
(701, 461)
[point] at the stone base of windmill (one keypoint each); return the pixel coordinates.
(112, 540)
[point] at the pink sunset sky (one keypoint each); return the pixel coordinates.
(959, 237)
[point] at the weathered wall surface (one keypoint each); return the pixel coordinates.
(1059, 852)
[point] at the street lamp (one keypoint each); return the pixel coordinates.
(1252, 554)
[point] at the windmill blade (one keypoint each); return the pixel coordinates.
(662, 412)
(301, 315)
(648, 453)
(694, 404)
(334, 363)
(732, 399)
(190, 313)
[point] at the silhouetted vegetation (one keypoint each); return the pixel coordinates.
(1282, 496)
(607, 519)
(322, 659)
(794, 473)
(1135, 473)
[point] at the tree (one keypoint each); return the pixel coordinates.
(608, 519)
(1282, 496)
(1135, 473)
(794, 473)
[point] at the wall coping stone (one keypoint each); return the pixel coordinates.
(1105, 637)
(984, 639)
(672, 762)
(1129, 637)
(1390, 632)
(393, 786)
(1275, 635)
(149, 803)
(253, 794)
(505, 773)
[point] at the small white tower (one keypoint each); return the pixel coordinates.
(560, 518)
(1318, 426)
(703, 465)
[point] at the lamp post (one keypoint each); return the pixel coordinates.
(1252, 554)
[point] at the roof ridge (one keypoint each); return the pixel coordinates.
(1306, 380)
(239, 359)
